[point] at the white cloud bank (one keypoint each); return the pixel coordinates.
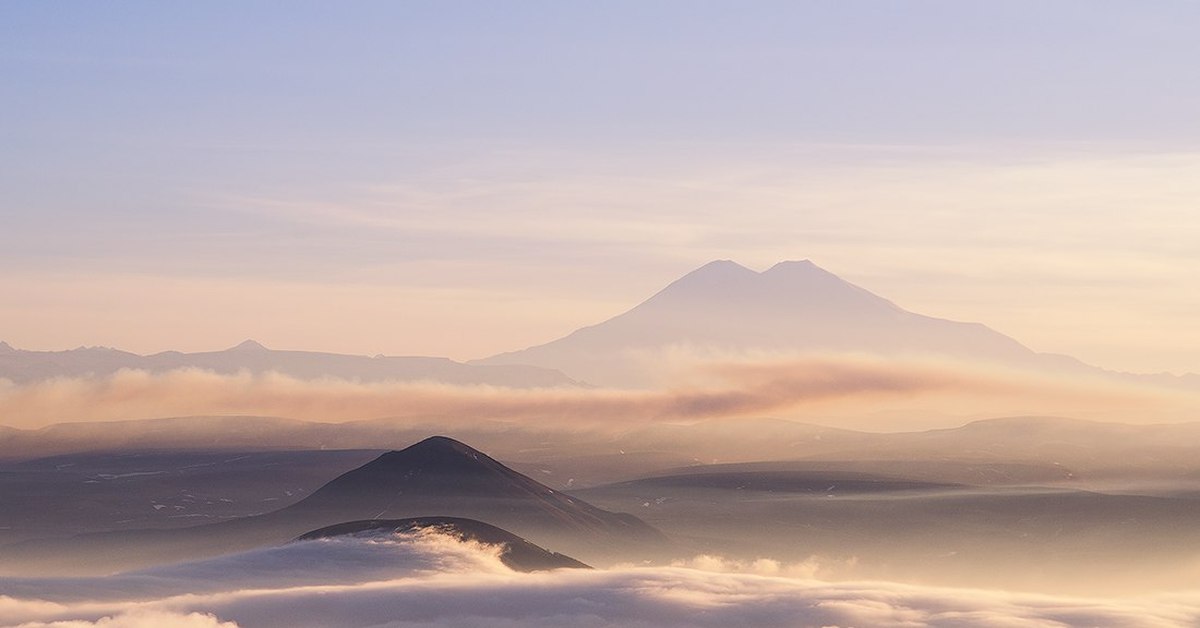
(435, 581)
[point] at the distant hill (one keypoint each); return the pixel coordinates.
(516, 553)
(22, 366)
(440, 475)
(795, 306)
(437, 477)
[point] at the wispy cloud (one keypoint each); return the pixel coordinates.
(834, 385)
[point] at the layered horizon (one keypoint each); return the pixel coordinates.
(634, 313)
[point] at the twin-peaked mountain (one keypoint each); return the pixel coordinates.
(794, 306)
(436, 479)
(719, 309)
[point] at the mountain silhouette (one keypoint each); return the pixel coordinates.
(793, 306)
(21, 366)
(515, 552)
(437, 477)
(442, 476)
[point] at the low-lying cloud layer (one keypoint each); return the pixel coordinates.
(433, 580)
(780, 387)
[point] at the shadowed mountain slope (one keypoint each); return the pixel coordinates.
(515, 552)
(440, 475)
(437, 477)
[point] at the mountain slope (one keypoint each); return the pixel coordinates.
(793, 306)
(440, 475)
(437, 477)
(515, 552)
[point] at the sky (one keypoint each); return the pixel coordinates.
(464, 178)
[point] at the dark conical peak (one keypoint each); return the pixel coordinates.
(248, 345)
(440, 454)
(6, 348)
(441, 476)
(436, 467)
(442, 445)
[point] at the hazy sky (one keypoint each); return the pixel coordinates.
(462, 178)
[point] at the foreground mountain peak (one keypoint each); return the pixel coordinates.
(444, 477)
(440, 453)
(517, 553)
(442, 443)
(6, 348)
(431, 466)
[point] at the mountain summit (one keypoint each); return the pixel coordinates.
(515, 552)
(799, 286)
(793, 306)
(442, 476)
(434, 482)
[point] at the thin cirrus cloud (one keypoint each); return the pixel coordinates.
(468, 586)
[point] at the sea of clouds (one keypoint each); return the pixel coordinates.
(429, 579)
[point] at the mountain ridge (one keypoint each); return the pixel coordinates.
(23, 366)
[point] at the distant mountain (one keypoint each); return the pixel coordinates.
(783, 481)
(437, 477)
(22, 366)
(795, 306)
(725, 307)
(516, 553)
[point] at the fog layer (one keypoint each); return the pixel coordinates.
(432, 580)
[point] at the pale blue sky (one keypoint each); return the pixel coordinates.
(564, 159)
